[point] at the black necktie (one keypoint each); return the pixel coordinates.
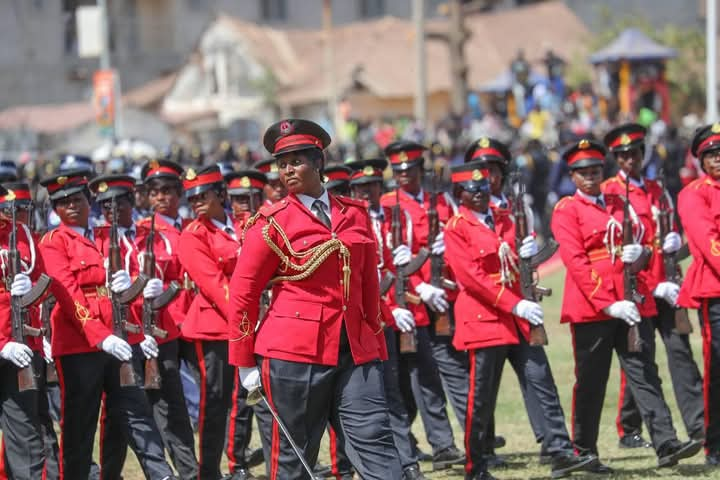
(318, 209)
(88, 234)
(599, 202)
(178, 226)
(503, 204)
(129, 234)
(490, 222)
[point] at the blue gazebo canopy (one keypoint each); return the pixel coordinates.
(632, 45)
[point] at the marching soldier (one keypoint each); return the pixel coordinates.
(493, 322)
(208, 251)
(87, 353)
(699, 207)
(245, 189)
(274, 189)
(406, 161)
(627, 144)
(589, 230)
(337, 179)
(318, 352)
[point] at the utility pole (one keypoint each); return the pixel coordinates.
(104, 36)
(711, 100)
(330, 67)
(420, 106)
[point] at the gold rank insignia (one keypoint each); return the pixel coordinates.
(625, 139)
(368, 171)
(245, 182)
(10, 196)
(716, 127)
(62, 180)
(584, 143)
(477, 175)
(403, 157)
(484, 143)
(274, 168)
(103, 187)
(191, 175)
(154, 165)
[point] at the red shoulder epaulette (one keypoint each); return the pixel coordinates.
(563, 201)
(269, 210)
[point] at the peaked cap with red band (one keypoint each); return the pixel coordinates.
(489, 150)
(472, 176)
(367, 171)
(196, 182)
(706, 139)
(106, 187)
(293, 135)
(269, 167)
(625, 137)
(18, 192)
(404, 154)
(584, 153)
(336, 176)
(243, 182)
(161, 169)
(66, 183)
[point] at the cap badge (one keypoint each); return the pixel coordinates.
(102, 188)
(484, 143)
(286, 128)
(62, 180)
(368, 171)
(477, 175)
(403, 156)
(584, 143)
(274, 168)
(10, 195)
(190, 175)
(245, 182)
(154, 165)
(625, 139)
(325, 179)
(716, 127)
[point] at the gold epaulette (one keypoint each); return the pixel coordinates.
(454, 220)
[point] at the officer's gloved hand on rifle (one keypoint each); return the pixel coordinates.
(404, 319)
(17, 353)
(672, 242)
(530, 311)
(630, 253)
(528, 248)
(153, 288)
(401, 255)
(624, 310)
(117, 347)
(47, 350)
(149, 347)
(438, 246)
(249, 377)
(433, 296)
(668, 291)
(120, 281)
(21, 285)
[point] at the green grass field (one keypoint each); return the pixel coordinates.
(521, 451)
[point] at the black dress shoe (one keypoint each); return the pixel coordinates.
(545, 457)
(634, 441)
(566, 463)
(413, 473)
(254, 457)
(242, 474)
(712, 459)
(495, 462)
(479, 476)
(598, 467)
(499, 441)
(674, 450)
(447, 458)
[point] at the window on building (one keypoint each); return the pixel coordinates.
(70, 33)
(273, 10)
(372, 8)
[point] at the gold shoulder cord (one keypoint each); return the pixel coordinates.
(251, 221)
(316, 256)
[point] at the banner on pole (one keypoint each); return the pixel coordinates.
(104, 98)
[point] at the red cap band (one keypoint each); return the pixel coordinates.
(204, 179)
(405, 156)
(482, 152)
(155, 171)
(338, 175)
(243, 183)
(116, 183)
(19, 195)
(468, 175)
(584, 155)
(712, 139)
(71, 182)
(621, 140)
(295, 140)
(366, 173)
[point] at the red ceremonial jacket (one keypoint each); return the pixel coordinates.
(209, 255)
(593, 280)
(483, 309)
(381, 230)
(304, 320)
(699, 207)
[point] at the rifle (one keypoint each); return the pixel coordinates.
(408, 342)
(670, 260)
(120, 301)
(152, 306)
(20, 304)
(443, 324)
(528, 275)
(630, 275)
(46, 308)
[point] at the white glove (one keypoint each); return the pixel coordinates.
(401, 255)
(528, 248)
(668, 291)
(149, 347)
(404, 319)
(17, 353)
(21, 285)
(530, 311)
(47, 350)
(249, 377)
(672, 242)
(153, 288)
(117, 347)
(433, 296)
(624, 310)
(631, 252)
(120, 281)
(438, 246)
